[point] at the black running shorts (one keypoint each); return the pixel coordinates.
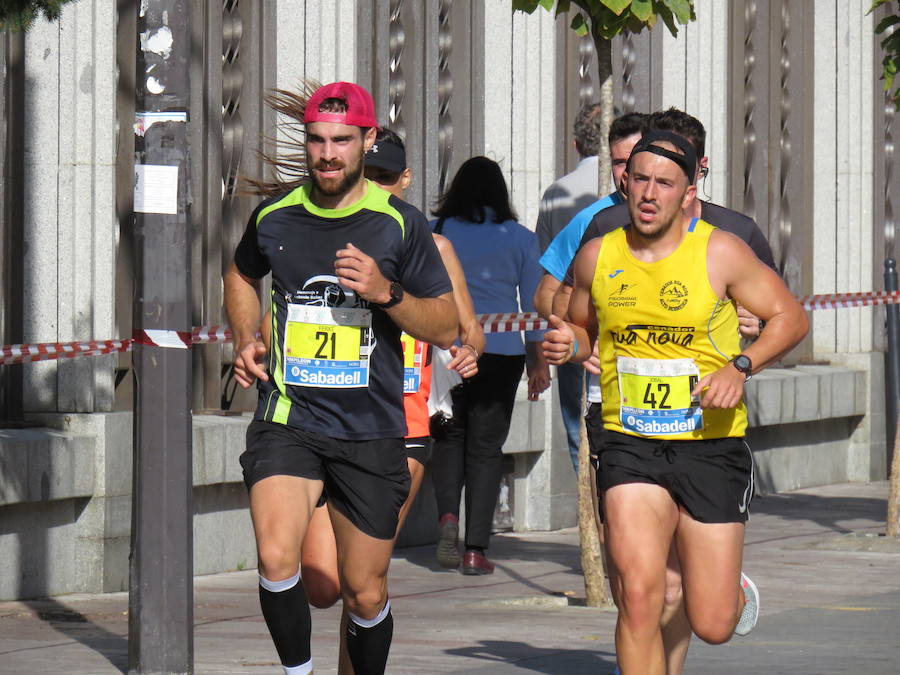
(711, 479)
(419, 449)
(367, 481)
(593, 422)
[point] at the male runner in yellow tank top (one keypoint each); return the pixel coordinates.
(660, 296)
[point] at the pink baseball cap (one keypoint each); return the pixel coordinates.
(360, 106)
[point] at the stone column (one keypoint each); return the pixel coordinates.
(69, 210)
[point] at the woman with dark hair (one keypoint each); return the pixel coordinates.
(500, 259)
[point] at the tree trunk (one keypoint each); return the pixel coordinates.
(603, 48)
(893, 510)
(595, 590)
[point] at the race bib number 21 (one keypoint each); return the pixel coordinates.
(327, 347)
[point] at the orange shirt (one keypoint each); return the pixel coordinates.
(416, 385)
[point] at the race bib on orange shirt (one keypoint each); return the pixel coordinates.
(413, 361)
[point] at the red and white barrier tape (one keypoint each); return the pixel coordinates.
(508, 323)
(60, 350)
(842, 300)
(159, 338)
(491, 323)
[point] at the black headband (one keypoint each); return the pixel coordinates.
(687, 161)
(386, 155)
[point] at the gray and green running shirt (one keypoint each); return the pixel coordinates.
(335, 365)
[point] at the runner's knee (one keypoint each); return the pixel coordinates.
(673, 588)
(277, 561)
(715, 627)
(365, 603)
(640, 604)
(715, 635)
(322, 589)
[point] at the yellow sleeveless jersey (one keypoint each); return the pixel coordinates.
(662, 328)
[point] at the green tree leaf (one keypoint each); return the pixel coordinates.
(886, 23)
(876, 5)
(668, 19)
(616, 6)
(642, 10)
(579, 25)
(562, 7)
(527, 6)
(18, 15)
(682, 9)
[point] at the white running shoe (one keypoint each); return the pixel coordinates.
(750, 615)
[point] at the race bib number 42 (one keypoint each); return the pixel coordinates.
(655, 396)
(327, 347)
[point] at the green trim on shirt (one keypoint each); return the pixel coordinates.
(375, 199)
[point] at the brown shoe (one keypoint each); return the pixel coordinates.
(448, 542)
(476, 563)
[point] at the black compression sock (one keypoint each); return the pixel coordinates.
(369, 641)
(286, 611)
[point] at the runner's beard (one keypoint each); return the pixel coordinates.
(655, 234)
(660, 231)
(337, 188)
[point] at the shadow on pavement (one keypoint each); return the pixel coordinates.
(522, 656)
(83, 629)
(834, 513)
(505, 550)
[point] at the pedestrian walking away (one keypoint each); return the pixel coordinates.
(500, 259)
(351, 267)
(674, 468)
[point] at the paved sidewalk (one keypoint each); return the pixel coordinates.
(830, 604)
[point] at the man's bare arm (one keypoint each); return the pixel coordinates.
(243, 309)
(580, 331)
(471, 335)
(543, 296)
(762, 292)
(561, 299)
(432, 320)
(735, 271)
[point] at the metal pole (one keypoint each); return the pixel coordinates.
(161, 617)
(12, 191)
(892, 359)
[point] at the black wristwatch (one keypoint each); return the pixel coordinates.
(396, 292)
(743, 363)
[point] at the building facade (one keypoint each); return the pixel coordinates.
(799, 136)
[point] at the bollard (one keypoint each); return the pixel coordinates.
(892, 359)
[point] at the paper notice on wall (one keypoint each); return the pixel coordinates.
(145, 120)
(155, 189)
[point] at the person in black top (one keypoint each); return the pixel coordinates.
(351, 267)
(744, 227)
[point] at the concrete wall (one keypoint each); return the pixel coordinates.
(69, 212)
(65, 503)
(316, 40)
(65, 488)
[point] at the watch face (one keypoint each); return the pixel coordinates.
(742, 363)
(396, 291)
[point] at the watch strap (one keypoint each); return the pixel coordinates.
(396, 292)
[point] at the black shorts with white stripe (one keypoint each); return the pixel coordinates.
(712, 479)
